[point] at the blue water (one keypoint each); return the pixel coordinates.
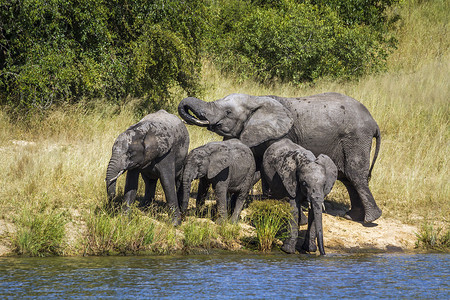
(408, 276)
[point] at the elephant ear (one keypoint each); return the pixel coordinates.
(269, 120)
(287, 172)
(218, 161)
(156, 145)
(330, 170)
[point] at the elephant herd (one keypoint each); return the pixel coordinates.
(298, 147)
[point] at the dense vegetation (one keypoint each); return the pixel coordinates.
(64, 50)
(298, 41)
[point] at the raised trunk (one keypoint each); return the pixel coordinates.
(198, 108)
(317, 210)
(114, 170)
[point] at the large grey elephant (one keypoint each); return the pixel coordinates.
(229, 167)
(294, 172)
(332, 124)
(156, 147)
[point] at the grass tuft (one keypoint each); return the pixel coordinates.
(40, 230)
(271, 221)
(198, 233)
(119, 233)
(433, 238)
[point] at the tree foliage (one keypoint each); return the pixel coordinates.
(60, 50)
(54, 51)
(300, 41)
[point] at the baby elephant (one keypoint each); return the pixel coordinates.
(155, 147)
(294, 172)
(229, 166)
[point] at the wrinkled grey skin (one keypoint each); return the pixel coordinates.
(228, 166)
(332, 124)
(156, 147)
(294, 172)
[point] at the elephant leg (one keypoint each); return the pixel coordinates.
(363, 204)
(167, 177)
(289, 243)
(150, 190)
(356, 212)
(302, 220)
(240, 199)
(309, 243)
(202, 192)
(131, 185)
(220, 188)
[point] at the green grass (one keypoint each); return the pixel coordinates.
(41, 230)
(433, 238)
(111, 233)
(271, 221)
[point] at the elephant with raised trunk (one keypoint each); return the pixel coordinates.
(292, 171)
(156, 147)
(229, 167)
(332, 124)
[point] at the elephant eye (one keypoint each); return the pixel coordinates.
(228, 112)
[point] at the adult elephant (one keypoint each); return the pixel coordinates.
(332, 124)
(156, 147)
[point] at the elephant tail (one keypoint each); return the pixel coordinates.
(377, 137)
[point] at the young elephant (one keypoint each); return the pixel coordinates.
(156, 147)
(229, 166)
(294, 172)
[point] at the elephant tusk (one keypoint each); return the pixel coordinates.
(115, 178)
(323, 207)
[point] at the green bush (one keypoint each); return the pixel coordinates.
(298, 41)
(60, 50)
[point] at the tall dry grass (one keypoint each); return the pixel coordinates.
(61, 158)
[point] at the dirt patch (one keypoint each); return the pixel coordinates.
(6, 229)
(386, 235)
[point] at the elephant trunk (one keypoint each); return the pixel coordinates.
(114, 170)
(188, 176)
(317, 211)
(198, 109)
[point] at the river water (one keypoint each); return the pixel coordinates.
(235, 276)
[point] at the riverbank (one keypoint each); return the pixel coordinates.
(340, 236)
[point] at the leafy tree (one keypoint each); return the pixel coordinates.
(62, 50)
(299, 41)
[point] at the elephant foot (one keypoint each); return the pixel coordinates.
(176, 219)
(303, 218)
(355, 214)
(289, 246)
(372, 214)
(309, 247)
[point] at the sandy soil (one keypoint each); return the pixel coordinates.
(386, 235)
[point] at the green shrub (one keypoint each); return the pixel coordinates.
(297, 41)
(40, 231)
(271, 221)
(59, 50)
